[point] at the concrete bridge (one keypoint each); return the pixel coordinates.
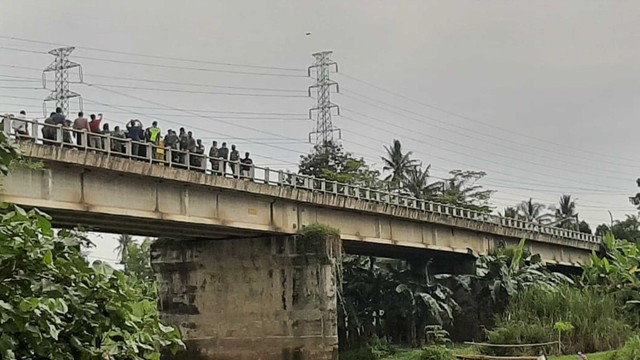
(233, 276)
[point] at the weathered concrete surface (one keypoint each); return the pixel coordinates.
(262, 298)
(104, 193)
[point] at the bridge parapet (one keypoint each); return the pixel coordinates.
(300, 187)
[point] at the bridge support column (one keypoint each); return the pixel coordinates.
(259, 298)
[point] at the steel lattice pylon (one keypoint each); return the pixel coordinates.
(61, 65)
(324, 130)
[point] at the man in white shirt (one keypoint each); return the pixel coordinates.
(20, 126)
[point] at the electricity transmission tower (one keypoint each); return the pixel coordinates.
(61, 94)
(324, 130)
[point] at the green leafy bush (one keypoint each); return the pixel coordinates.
(630, 351)
(598, 324)
(374, 350)
(56, 306)
(364, 353)
(436, 352)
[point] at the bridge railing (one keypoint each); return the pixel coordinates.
(117, 146)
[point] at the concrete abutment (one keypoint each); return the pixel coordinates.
(261, 298)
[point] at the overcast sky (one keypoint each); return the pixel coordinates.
(542, 95)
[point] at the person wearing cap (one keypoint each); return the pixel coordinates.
(581, 356)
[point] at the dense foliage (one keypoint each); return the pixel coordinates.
(57, 306)
(498, 278)
(386, 299)
(627, 229)
(329, 161)
(597, 324)
(137, 260)
(630, 350)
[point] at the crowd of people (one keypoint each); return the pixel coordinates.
(179, 149)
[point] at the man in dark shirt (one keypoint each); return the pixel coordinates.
(198, 158)
(117, 145)
(58, 118)
(234, 160)
(49, 132)
(171, 142)
(246, 166)
(223, 153)
(213, 155)
(136, 134)
(184, 146)
(191, 148)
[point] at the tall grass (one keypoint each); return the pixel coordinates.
(599, 324)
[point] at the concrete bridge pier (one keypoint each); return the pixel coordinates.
(261, 298)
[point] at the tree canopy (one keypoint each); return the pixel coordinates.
(55, 305)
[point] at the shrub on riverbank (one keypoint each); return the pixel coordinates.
(598, 323)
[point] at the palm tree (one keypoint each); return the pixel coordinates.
(398, 164)
(566, 215)
(533, 212)
(123, 244)
(417, 183)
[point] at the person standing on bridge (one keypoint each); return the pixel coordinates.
(20, 126)
(199, 156)
(191, 148)
(117, 144)
(107, 134)
(66, 133)
(94, 125)
(58, 119)
(234, 161)
(152, 135)
(213, 157)
(184, 146)
(82, 125)
(223, 153)
(48, 130)
(135, 133)
(171, 142)
(246, 166)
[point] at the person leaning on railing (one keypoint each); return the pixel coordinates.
(94, 125)
(81, 124)
(246, 166)
(171, 142)
(66, 133)
(21, 126)
(213, 158)
(117, 140)
(49, 130)
(136, 134)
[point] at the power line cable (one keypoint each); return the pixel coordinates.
(140, 63)
(157, 56)
(195, 110)
(190, 84)
(480, 121)
(195, 91)
(449, 160)
(193, 113)
(376, 103)
(458, 144)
